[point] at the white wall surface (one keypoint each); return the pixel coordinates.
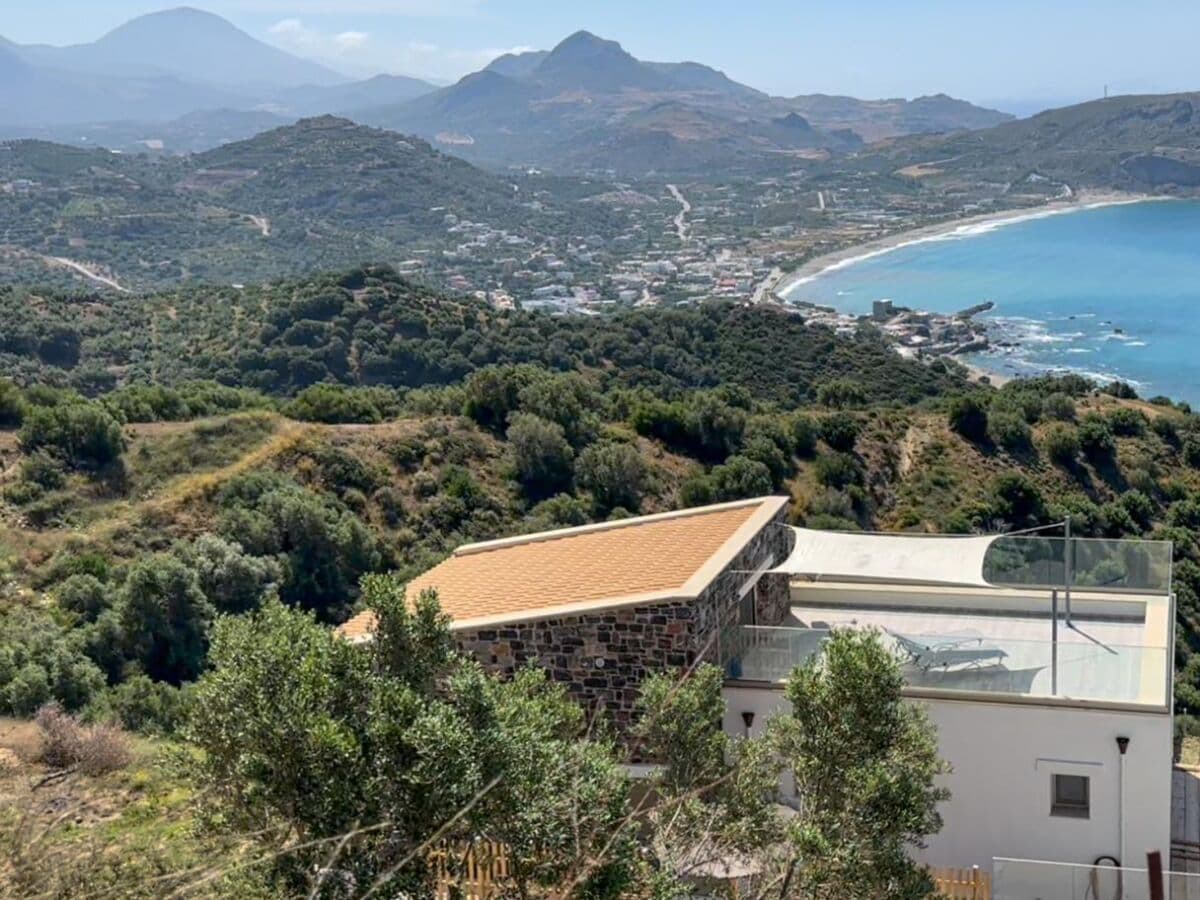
(1004, 755)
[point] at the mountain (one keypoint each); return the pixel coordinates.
(588, 104)
(1128, 142)
(186, 43)
(321, 193)
(878, 119)
(517, 65)
(313, 100)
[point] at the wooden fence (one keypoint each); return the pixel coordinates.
(468, 871)
(962, 884)
(477, 871)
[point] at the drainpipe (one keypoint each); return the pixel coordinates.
(1122, 746)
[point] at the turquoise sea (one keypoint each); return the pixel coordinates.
(1109, 291)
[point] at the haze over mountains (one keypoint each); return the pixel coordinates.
(183, 80)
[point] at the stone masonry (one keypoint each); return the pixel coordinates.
(603, 656)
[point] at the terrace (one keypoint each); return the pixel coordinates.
(1016, 618)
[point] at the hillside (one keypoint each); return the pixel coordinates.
(1130, 142)
(319, 194)
(422, 422)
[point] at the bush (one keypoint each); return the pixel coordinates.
(146, 706)
(740, 478)
(763, 450)
(840, 431)
(1060, 407)
(1096, 438)
(836, 470)
(1125, 422)
(615, 474)
(44, 470)
(1167, 429)
(542, 455)
(1017, 500)
(85, 595)
(1061, 444)
(841, 394)
(336, 403)
(1008, 429)
(80, 434)
(95, 750)
(805, 432)
(28, 689)
(968, 416)
(1121, 390)
(12, 405)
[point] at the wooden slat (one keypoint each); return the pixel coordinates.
(471, 871)
(962, 884)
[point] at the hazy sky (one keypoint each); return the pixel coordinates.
(983, 50)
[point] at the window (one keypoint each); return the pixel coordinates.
(1070, 796)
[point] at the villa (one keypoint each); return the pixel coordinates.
(1045, 663)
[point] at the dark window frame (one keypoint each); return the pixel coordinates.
(1067, 804)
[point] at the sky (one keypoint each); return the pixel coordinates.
(1015, 53)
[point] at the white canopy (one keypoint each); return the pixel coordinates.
(897, 558)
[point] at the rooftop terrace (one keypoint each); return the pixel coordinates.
(998, 628)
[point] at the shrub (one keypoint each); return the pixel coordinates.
(44, 470)
(1096, 438)
(1121, 390)
(1008, 429)
(1060, 407)
(12, 405)
(740, 477)
(805, 432)
(542, 456)
(840, 431)
(1061, 444)
(836, 470)
(1125, 422)
(1191, 450)
(615, 474)
(81, 434)
(1017, 500)
(85, 595)
(337, 403)
(763, 450)
(28, 689)
(842, 393)
(1167, 429)
(968, 416)
(146, 706)
(94, 750)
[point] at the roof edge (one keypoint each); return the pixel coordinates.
(769, 508)
(567, 610)
(558, 533)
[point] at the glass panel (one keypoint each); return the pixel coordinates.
(1096, 563)
(1025, 879)
(1080, 669)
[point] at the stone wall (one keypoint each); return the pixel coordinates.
(603, 656)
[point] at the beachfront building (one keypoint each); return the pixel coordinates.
(1045, 664)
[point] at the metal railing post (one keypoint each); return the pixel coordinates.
(1068, 567)
(1054, 643)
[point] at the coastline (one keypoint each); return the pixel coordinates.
(957, 228)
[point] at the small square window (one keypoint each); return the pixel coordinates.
(1071, 796)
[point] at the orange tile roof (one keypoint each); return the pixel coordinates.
(648, 558)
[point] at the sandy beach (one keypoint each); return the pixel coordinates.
(956, 228)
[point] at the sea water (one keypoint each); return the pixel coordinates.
(1112, 292)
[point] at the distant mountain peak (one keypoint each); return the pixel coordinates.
(586, 61)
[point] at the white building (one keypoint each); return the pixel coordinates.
(1059, 732)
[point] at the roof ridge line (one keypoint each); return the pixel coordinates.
(592, 528)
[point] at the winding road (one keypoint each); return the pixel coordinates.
(681, 225)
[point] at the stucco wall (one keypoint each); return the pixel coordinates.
(602, 657)
(1003, 756)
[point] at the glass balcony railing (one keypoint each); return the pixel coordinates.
(1095, 564)
(1077, 668)
(1026, 879)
